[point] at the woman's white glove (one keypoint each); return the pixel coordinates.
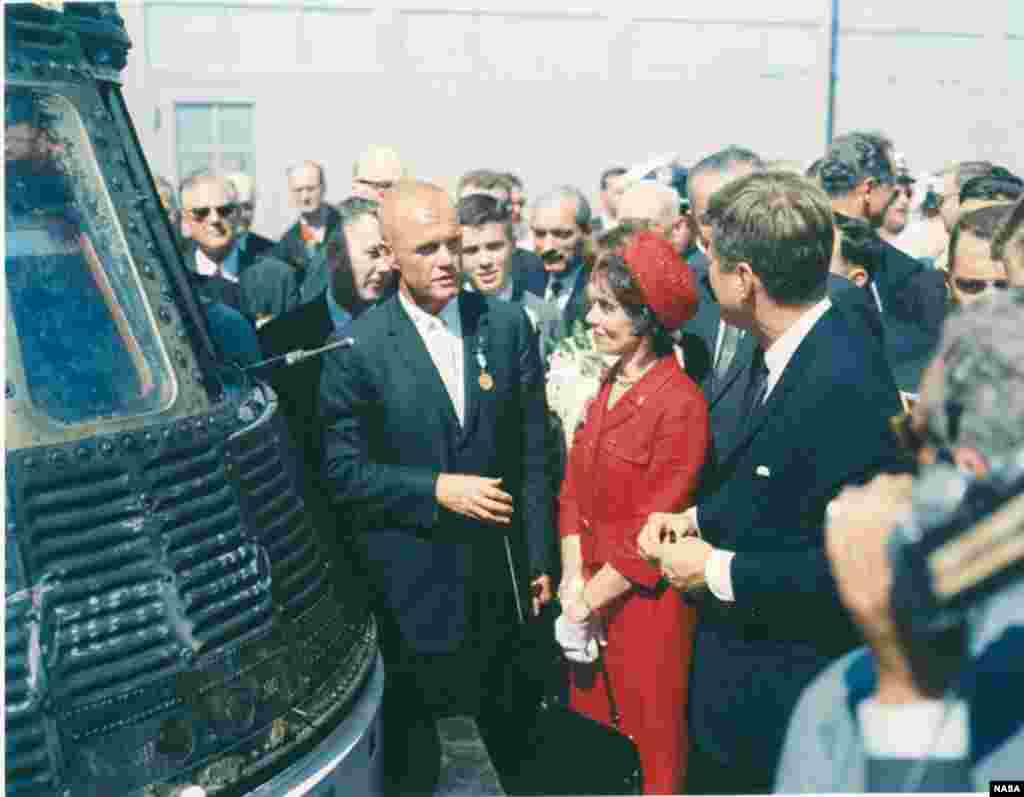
(579, 641)
(577, 629)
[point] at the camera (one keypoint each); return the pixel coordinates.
(962, 543)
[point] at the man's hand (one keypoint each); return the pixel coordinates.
(662, 528)
(683, 562)
(540, 593)
(477, 497)
(859, 524)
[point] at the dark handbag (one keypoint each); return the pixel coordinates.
(562, 751)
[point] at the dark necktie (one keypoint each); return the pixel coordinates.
(556, 290)
(756, 387)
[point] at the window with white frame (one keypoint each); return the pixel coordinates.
(214, 136)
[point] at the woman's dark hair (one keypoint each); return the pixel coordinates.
(343, 280)
(860, 244)
(626, 291)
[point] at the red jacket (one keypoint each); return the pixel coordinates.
(642, 456)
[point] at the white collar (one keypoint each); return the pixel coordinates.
(205, 265)
(227, 268)
(424, 321)
(778, 355)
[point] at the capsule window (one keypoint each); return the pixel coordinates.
(85, 342)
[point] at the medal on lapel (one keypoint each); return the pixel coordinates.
(485, 380)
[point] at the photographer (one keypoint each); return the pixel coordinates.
(867, 723)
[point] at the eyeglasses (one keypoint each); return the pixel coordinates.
(223, 211)
(974, 287)
(377, 185)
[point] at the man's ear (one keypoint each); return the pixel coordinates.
(971, 460)
(751, 282)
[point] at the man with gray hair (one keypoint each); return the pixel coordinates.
(249, 242)
(652, 204)
(859, 176)
(258, 288)
(560, 222)
(868, 723)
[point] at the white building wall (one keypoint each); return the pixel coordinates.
(559, 94)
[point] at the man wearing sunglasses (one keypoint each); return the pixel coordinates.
(973, 273)
(259, 288)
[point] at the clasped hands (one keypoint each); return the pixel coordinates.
(673, 543)
(578, 630)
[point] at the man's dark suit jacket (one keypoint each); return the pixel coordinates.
(265, 286)
(824, 425)
(391, 429)
(292, 249)
(257, 246)
(577, 307)
(725, 395)
(910, 290)
(527, 272)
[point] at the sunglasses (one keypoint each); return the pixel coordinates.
(223, 211)
(974, 287)
(377, 185)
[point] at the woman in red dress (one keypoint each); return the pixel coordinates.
(640, 450)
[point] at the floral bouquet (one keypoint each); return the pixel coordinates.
(575, 371)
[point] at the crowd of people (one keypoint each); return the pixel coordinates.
(716, 534)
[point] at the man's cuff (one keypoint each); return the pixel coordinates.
(925, 728)
(718, 574)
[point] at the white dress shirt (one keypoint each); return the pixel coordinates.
(228, 268)
(718, 570)
(926, 728)
(442, 335)
(567, 279)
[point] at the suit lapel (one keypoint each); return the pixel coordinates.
(740, 363)
(792, 376)
(411, 349)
